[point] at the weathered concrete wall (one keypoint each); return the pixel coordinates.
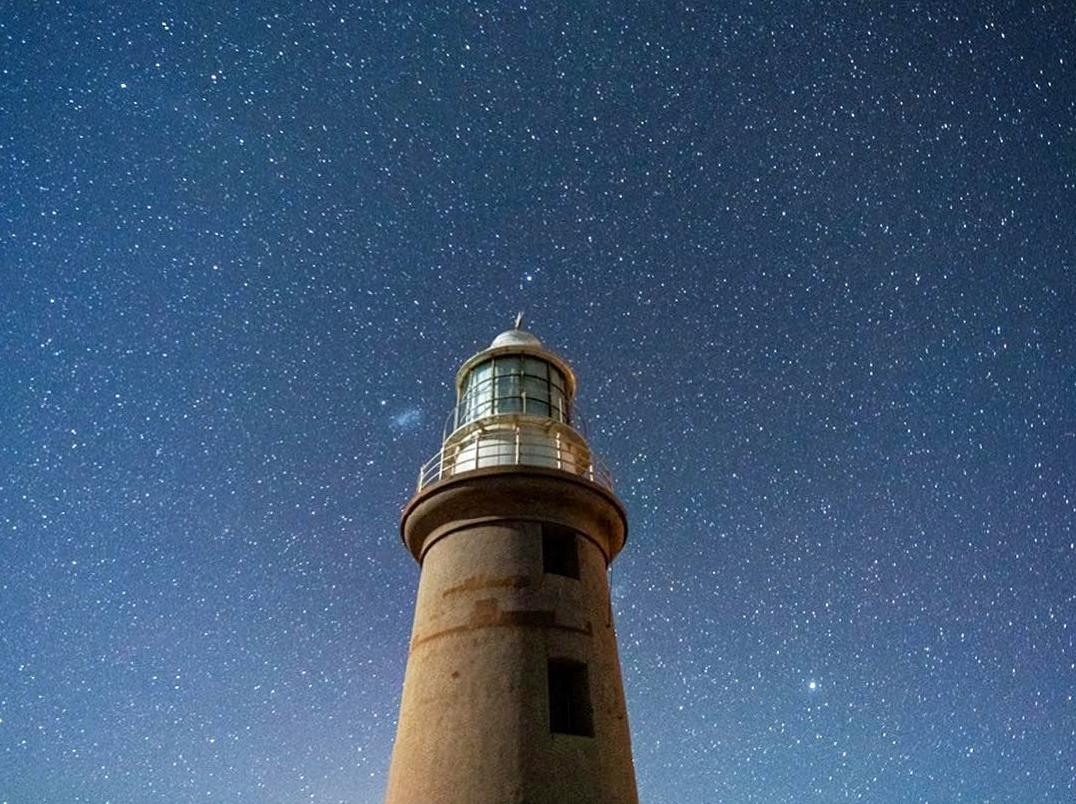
(474, 719)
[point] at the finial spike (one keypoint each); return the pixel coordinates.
(519, 320)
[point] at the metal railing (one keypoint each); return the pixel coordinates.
(521, 445)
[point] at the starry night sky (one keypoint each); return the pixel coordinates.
(813, 264)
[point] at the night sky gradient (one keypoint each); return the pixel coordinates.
(812, 262)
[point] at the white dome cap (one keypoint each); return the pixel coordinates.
(515, 337)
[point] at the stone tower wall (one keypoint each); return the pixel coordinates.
(474, 721)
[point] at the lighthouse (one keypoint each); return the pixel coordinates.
(513, 691)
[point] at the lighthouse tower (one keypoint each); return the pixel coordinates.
(513, 690)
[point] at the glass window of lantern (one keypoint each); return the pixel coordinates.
(533, 367)
(505, 366)
(477, 397)
(508, 399)
(482, 388)
(558, 404)
(536, 391)
(463, 409)
(481, 373)
(508, 395)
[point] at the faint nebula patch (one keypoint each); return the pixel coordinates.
(408, 419)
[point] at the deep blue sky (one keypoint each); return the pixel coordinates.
(813, 263)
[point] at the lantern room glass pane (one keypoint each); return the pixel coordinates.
(537, 408)
(477, 397)
(508, 398)
(536, 388)
(533, 367)
(481, 373)
(554, 395)
(482, 405)
(507, 365)
(483, 389)
(536, 391)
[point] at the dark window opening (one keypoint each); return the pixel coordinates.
(569, 698)
(560, 553)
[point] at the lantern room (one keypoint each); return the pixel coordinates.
(514, 406)
(516, 374)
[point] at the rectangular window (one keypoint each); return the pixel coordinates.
(477, 397)
(556, 379)
(533, 367)
(569, 698)
(560, 552)
(507, 365)
(536, 392)
(509, 394)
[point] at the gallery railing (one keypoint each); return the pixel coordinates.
(550, 445)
